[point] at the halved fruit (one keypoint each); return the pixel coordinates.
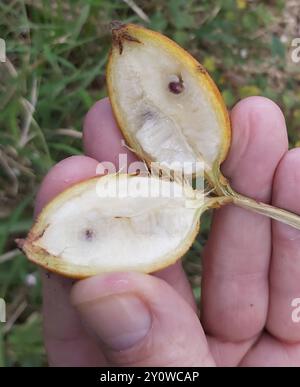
(115, 222)
(167, 106)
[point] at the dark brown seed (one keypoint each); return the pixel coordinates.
(176, 87)
(89, 234)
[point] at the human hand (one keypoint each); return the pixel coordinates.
(251, 273)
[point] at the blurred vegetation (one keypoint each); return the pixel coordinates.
(55, 71)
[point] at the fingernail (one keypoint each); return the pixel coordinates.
(120, 321)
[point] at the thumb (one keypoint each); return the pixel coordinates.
(139, 320)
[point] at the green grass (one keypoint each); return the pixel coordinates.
(57, 53)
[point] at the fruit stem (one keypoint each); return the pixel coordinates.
(215, 202)
(223, 189)
(279, 214)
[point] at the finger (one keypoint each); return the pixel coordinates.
(69, 171)
(139, 320)
(269, 352)
(66, 341)
(285, 264)
(229, 354)
(175, 276)
(236, 261)
(102, 139)
(103, 142)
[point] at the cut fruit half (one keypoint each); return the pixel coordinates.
(166, 104)
(115, 222)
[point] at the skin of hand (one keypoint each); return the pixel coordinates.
(251, 270)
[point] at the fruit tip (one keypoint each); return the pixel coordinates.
(116, 25)
(20, 243)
